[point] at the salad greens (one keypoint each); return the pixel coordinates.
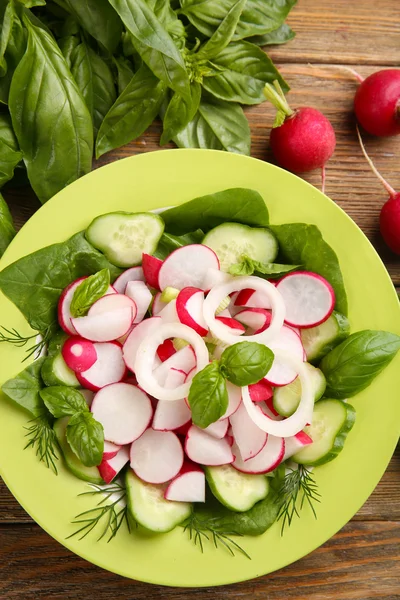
(63, 401)
(208, 396)
(245, 363)
(248, 266)
(10, 154)
(7, 231)
(85, 436)
(24, 389)
(91, 289)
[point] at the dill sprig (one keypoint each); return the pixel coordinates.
(207, 529)
(12, 336)
(297, 484)
(43, 439)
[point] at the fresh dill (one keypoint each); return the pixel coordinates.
(43, 439)
(207, 529)
(12, 336)
(298, 484)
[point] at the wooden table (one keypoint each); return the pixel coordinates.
(363, 560)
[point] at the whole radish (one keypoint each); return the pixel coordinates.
(377, 102)
(389, 221)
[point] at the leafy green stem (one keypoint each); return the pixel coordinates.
(42, 438)
(12, 336)
(201, 530)
(298, 484)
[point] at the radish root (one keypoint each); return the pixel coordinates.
(386, 185)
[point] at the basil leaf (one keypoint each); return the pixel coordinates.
(154, 44)
(224, 34)
(99, 19)
(67, 46)
(63, 401)
(7, 231)
(180, 112)
(245, 363)
(10, 154)
(248, 266)
(85, 435)
(125, 72)
(303, 244)
(56, 143)
(13, 54)
(134, 110)
(208, 396)
(353, 364)
(24, 388)
(7, 21)
(168, 242)
(35, 282)
(279, 36)
(91, 289)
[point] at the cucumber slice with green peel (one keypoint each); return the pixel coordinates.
(148, 507)
(72, 462)
(286, 399)
(123, 237)
(230, 241)
(55, 372)
(235, 490)
(331, 422)
(320, 340)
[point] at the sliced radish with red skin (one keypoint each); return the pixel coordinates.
(235, 398)
(218, 429)
(249, 438)
(136, 337)
(252, 299)
(308, 297)
(189, 308)
(257, 319)
(141, 296)
(157, 456)
(204, 449)
(109, 468)
(183, 360)
(166, 350)
(190, 375)
(168, 314)
(88, 395)
(183, 429)
(171, 415)
(64, 304)
(110, 450)
(108, 368)
(79, 354)
(188, 486)
(235, 327)
(213, 277)
(151, 268)
(295, 443)
(268, 409)
(124, 410)
(157, 305)
(280, 373)
(225, 313)
(260, 391)
(187, 267)
(267, 460)
(230, 439)
(112, 302)
(132, 274)
(104, 327)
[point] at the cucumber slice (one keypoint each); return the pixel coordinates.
(235, 490)
(230, 241)
(72, 462)
(55, 372)
(149, 508)
(320, 340)
(287, 398)
(123, 237)
(332, 420)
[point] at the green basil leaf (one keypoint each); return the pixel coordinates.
(245, 363)
(7, 230)
(353, 364)
(91, 289)
(168, 242)
(99, 19)
(49, 115)
(7, 19)
(124, 72)
(279, 36)
(67, 46)
(13, 54)
(24, 388)
(63, 401)
(180, 112)
(154, 44)
(10, 154)
(248, 266)
(224, 34)
(132, 113)
(208, 396)
(85, 435)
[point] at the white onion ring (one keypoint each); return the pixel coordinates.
(299, 419)
(221, 291)
(146, 353)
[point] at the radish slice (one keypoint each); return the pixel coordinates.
(295, 443)
(188, 486)
(132, 274)
(189, 308)
(168, 314)
(171, 415)
(88, 395)
(249, 438)
(308, 297)
(219, 293)
(184, 428)
(174, 378)
(136, 337)
(151, 269)
(258, 319)
(187, 267)
(183, 360)
(235, 398)
(204, 449)
(288, 341)
(260, 391)
(268, 410)
(108, 368)
(147, 351)
(141, 296)
(252, 299)
(104, 327)
(157, 305)
(214, 277)
(110, 303)
(166, 350)
(64, 305)
(157, 456)
(110, 450)
(218, 429)
(109, 468)
(303, 414)
(235, 327)
(79, 354)
(267, 460)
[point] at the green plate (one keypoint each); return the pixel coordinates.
(162, 179)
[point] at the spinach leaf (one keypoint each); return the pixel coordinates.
(56, 342)
(279, 36)
(10, 154)
(224, 34)
(63, 401)
(245, 363)
(24, 389)
(208, 396)
(124, 72)
(85, 435)
(303, 244)
(237, 205)
(91, 289)
(132, 113)
(49, 115)
(353, 364)
(168, 242)
(67, 46)
(34, 283)
(14, 52)
(99, 19)
(180, 111)
(242, 70)
(154, 44)
(7, 231)
(248, 266)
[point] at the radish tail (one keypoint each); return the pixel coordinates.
(388, 188)
(357, 76)
(323, 177)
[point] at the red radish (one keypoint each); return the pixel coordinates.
(377, 103)
(288, 341)
(141, 296)
(268, 409)
(110, 467)
(295, 443)
(249, 438)
(168, 314)
(235, 398)
(104, 327)
(187, 267)
(252, 299)
(157, 305)
(157, 456)
(261, 391)
(171, 416)
(188, 486)
(174, 378)
(151, 269)
(257, 319)
(110, 450)
(235, 327)
(204, 449)
(267, 460)
(214, 277)
(88, 395)
(189, 308)
(108, 368)
(136, 337)
(183, 429)
(190, 375)
(218, 429)
(132, 274)
(110, 303)
(308, 297)
(183, 360)
(64, 304)
(166, 350)
(79, 354)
